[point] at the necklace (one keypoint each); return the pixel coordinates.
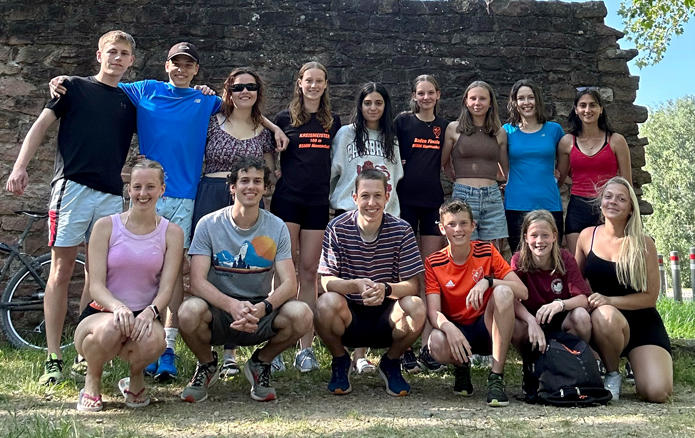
(157, 219)
(429, 124)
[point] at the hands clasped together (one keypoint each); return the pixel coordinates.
(372, 293)
(131, 326)
(246, 315)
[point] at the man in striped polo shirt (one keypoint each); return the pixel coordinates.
(369, 268)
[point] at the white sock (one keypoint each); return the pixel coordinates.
(171, 334)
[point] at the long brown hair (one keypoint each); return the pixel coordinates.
(298, 114)
(492, 118)
(513, 107)
(526, 263)
(414, 107)
(228, 105)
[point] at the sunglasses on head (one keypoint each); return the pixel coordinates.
(580, 89)
(240, 87)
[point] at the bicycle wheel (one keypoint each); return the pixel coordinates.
(21, 312)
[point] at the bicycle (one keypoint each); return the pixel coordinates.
(21, 308)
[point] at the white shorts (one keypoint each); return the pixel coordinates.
(180, 212)
(73, 209)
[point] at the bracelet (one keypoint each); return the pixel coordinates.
(562, 303)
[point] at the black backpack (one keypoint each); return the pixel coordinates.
(566, 375)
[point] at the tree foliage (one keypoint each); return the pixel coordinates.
(670, 158)
(652, 23)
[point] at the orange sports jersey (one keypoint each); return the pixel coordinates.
(453, 282)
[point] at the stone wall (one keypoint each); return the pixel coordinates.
(559, 45)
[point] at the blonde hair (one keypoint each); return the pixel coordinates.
(298, 114)
(149, 164)
(526, 263)
(117, 36)
(492, 118)
(631, 266)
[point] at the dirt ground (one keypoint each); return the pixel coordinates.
(305, 408)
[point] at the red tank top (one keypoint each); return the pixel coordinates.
(590, 172)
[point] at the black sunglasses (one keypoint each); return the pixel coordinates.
(240, 87)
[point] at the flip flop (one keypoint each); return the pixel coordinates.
(123, 385)
(98, 405)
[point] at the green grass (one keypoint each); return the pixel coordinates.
(679, 318)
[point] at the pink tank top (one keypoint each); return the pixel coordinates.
(134, 264)
(590, 172)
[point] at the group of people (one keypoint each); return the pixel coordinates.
(278, 269)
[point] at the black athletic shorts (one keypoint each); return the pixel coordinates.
(370, 326)
(477, 336)
(89, 311)
(581, 213)
(422, 220)
(308, 217)
(515, 219)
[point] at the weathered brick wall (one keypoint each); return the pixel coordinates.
(559, 45)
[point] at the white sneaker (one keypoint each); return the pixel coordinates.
(612, 383)
(277, 364)
(305, 360)
(364, 366)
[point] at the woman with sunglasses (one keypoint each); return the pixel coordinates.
(593, 153)
(235, 132)
(301, 195)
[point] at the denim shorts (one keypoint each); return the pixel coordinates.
(488, 210)
(180, 212)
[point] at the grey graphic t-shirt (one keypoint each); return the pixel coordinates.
(242, 260)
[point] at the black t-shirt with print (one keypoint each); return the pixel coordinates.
(97, 123)
(421, 148)
(306, 163)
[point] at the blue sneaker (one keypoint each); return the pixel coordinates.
(340, 378)
(166, 370)
(151, 369)
(390, 371)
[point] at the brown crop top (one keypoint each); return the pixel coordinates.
(476, 156)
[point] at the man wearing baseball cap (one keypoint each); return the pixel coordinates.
(172, 124)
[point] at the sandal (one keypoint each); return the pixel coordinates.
(123, 385)
(95, 402)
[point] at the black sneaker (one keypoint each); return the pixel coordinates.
(496, 396)
(462, 380)
(409, 362)
(629, 375)
(427, 362)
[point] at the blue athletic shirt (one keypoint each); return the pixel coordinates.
(172, 128)
(531, 184)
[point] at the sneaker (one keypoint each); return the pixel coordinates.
(340, 377)
(205, 375)
(305, 360)
(462, 380)
(151, 369)
(496, 396)
(78, 369)
(629, 375)
(258, 374)
(612, 383)
(229, 367)
(53, 370)
(166, 369)
(278, 364)
(427, 362)
(409, 361)
(390, 371)
(363, 366)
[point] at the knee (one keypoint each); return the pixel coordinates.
(656, 393)
(299, 314)
(581, 320)
(414, 308)
(438, 345)
(504, 297)
(190, 314)
(603, 320)
(308, 269)
(328, 305)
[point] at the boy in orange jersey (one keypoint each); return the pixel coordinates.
(470, 302)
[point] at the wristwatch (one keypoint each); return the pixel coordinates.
(490, 279)
(562, 303)
(268, 307)
(387, 289)
(154, 310)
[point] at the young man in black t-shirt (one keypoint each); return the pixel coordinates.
(97, 122)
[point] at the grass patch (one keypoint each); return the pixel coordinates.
(679, 318)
